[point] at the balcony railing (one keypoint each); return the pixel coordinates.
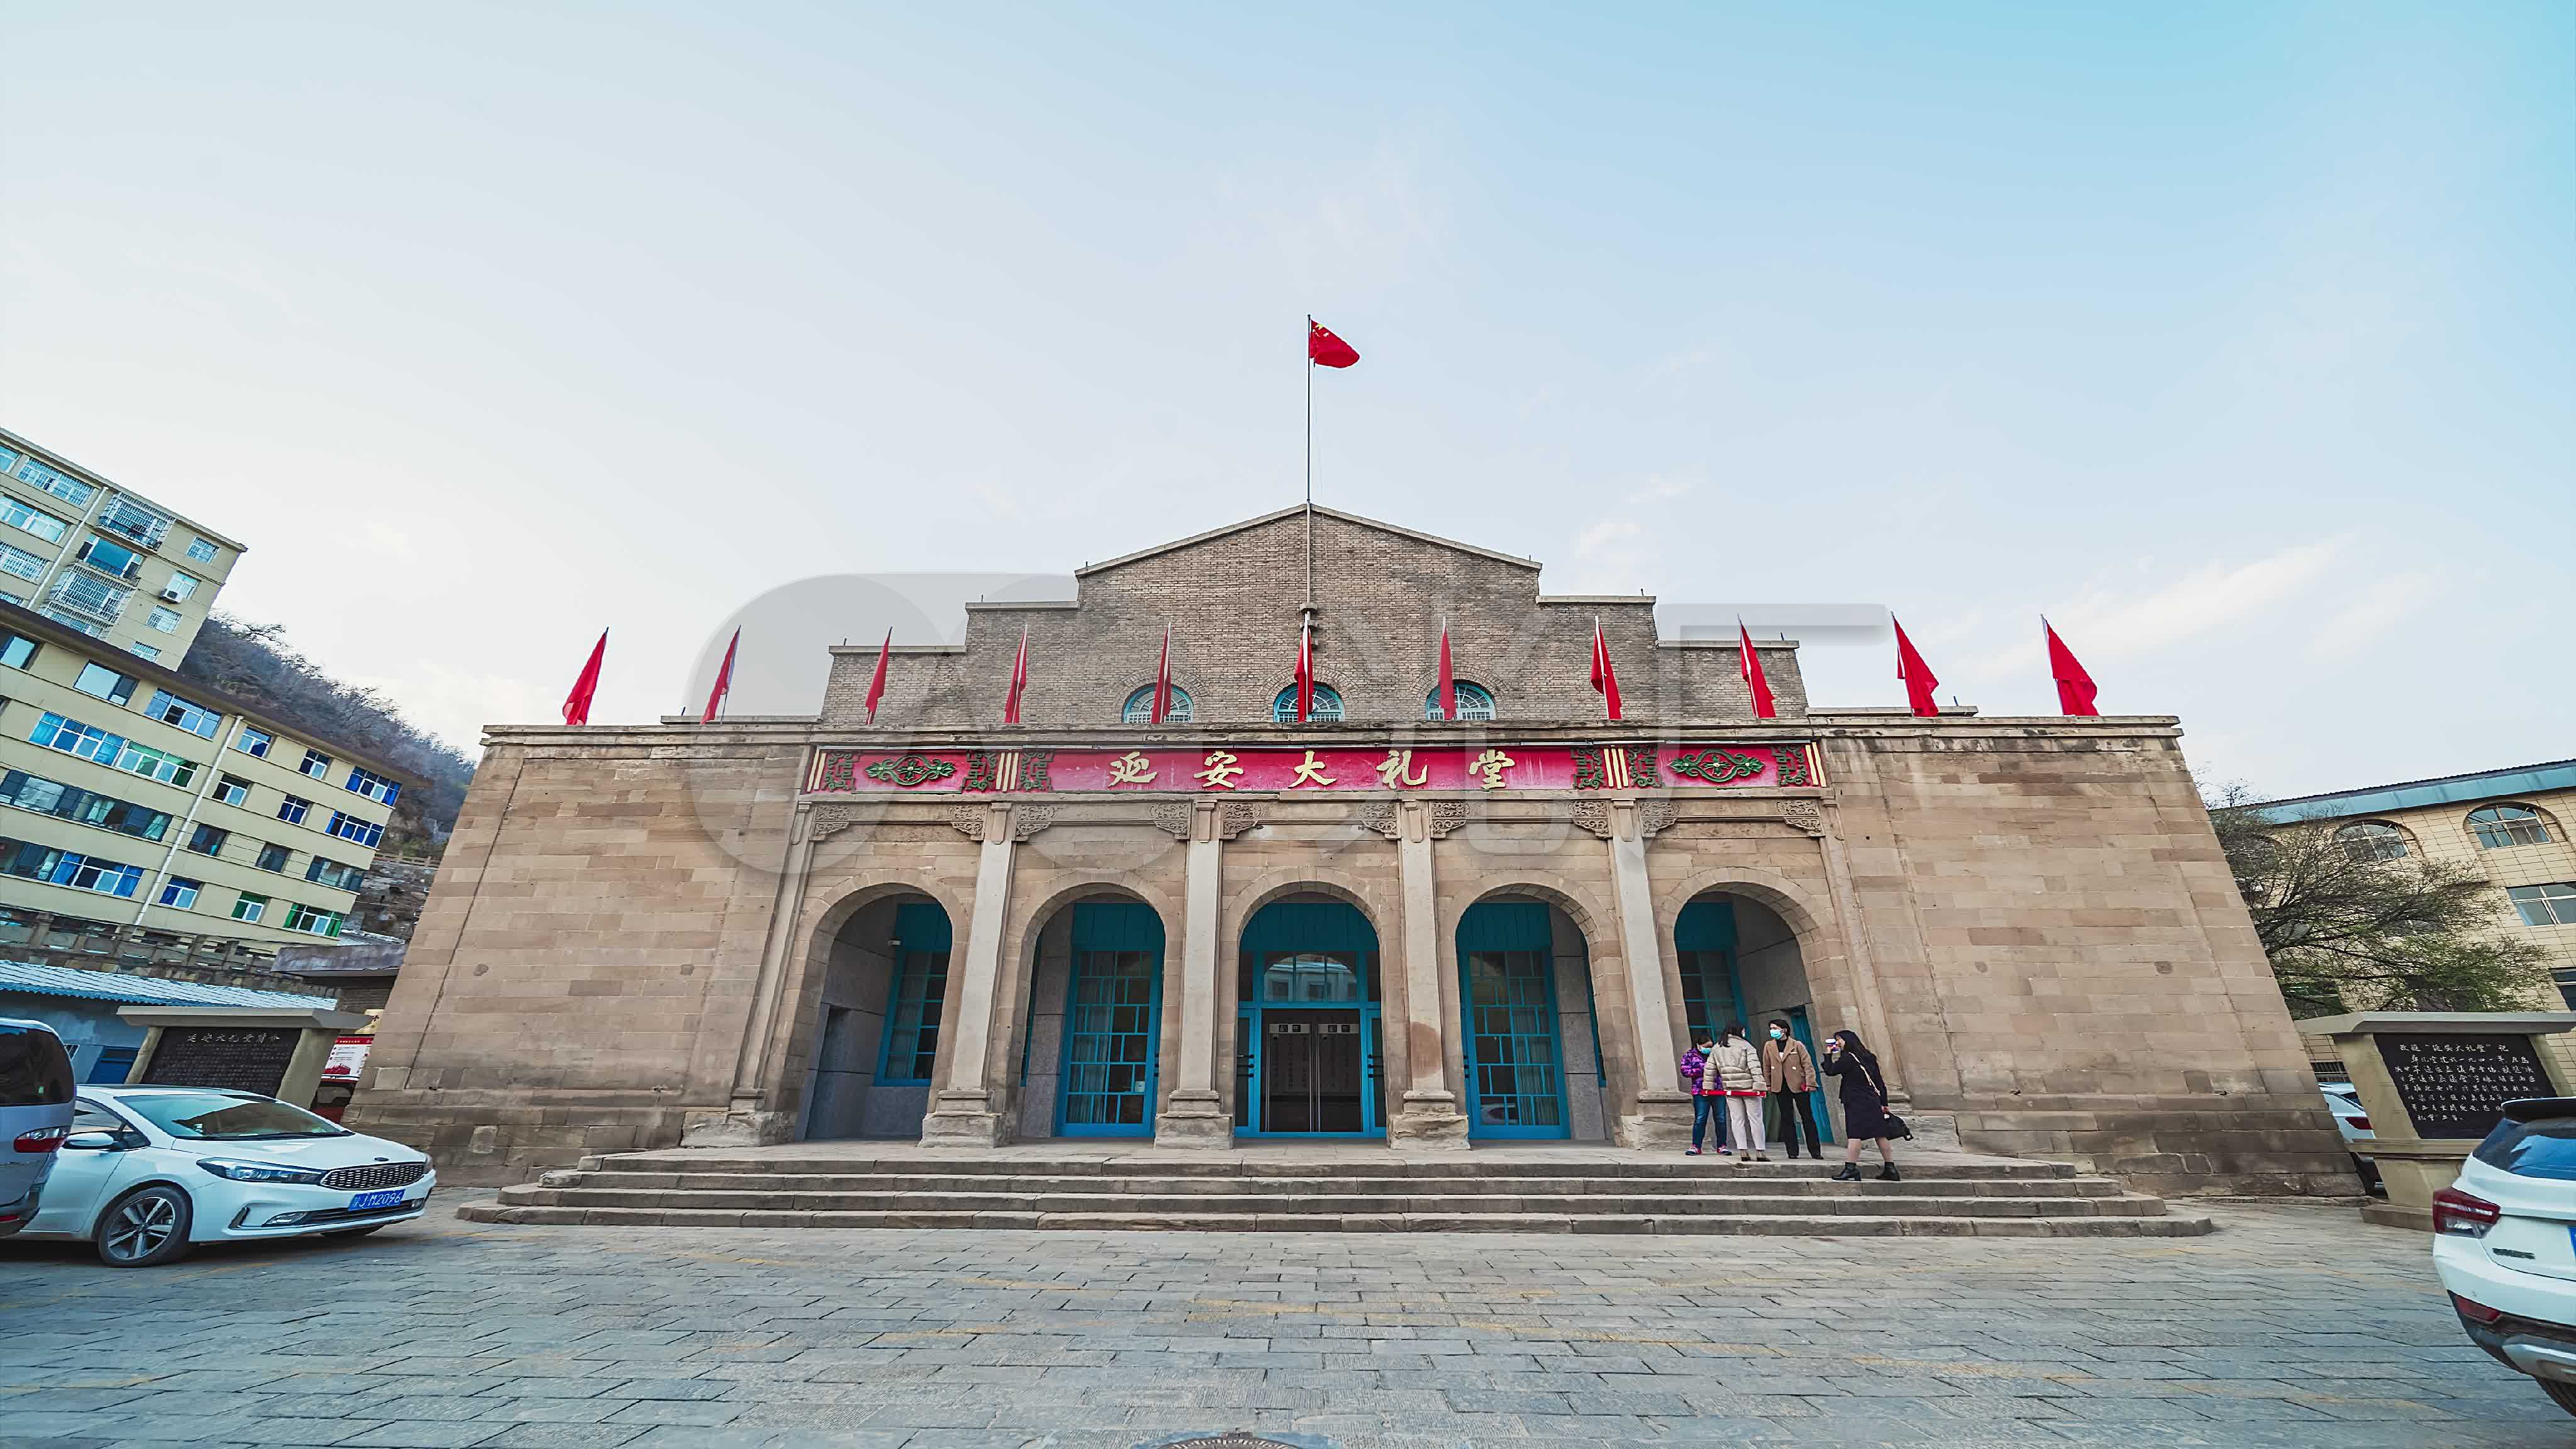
(129, 519)
(89, 598)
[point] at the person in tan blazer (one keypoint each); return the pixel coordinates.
(1790, 1075)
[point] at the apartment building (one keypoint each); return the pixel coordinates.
(104, 560)
(131, 795)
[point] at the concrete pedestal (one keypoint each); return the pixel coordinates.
(1194, 1119)
(182, 1047)
(2418, 1152)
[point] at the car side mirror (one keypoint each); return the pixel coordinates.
(91, 1142)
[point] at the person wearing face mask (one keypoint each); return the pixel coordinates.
(1734, 1072)
(1706, 1106)
(1864, 1094)
(1790, 1074)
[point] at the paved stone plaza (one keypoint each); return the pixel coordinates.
(2289, 1326)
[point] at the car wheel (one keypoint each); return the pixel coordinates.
(143, 1228)
(2564, 1395)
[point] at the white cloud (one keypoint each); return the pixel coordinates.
(2117, 620)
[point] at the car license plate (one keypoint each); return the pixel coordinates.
(369, 1201)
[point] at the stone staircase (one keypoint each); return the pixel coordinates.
(1379, 1191)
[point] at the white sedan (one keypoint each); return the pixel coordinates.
(2504, 1243)
(149, 1171)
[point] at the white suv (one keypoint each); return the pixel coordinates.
(35, 1110)
(2504, 1243)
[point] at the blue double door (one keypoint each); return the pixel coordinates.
(1113, 1022)
(1514, 1055)
(1307, 1047)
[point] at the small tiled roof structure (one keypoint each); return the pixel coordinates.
(40, 980)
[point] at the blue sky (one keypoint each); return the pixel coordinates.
(2239, 339)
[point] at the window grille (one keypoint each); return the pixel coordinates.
(133, 520)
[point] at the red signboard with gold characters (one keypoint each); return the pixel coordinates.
(1283, 771)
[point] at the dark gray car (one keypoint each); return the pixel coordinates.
(35, 1114)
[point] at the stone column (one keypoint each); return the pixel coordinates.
(1429, 1117)
(748, 1119)
(961, 1109)
(1195, 1115)
(1662, 1118)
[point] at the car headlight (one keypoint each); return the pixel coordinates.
(259, 1171)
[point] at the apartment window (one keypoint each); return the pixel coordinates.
(2501, 827)
(132, 520)
(232, 789)
(2545, 905)
(312, 920)
(181, 892)
(62, 485)
(274, 857)
(2372, 840)
(179, 588)
(31, 861)
(254, 743)
(202, 550)
(74, 738)
(71, 620)
(165, 620)
(145, 651)
(87, 807)
(106, 684)
(249, 907)
(335, 875)
(88, 594)
(195, 718)
(154, 764)
(42, 525)
(372, 785)
(112, 559)
(22, 563)
(18, 651)
(293, 808)
(350, 827)
(208, 840)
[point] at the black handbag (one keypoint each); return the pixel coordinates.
(1896, 1131)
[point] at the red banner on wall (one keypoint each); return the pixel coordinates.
(1270, 770)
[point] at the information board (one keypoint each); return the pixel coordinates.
(243, 1058)
(2456, 1086)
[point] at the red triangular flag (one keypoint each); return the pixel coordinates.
(2075, 689)
(876, 686)
(1325, 348)
(1019, 680)
(1163, 679)
(1918, 676)
(1749, 664)
(724, 680)
(1448, 681)
(1605, 675)
(576, 710)
(1305, 670)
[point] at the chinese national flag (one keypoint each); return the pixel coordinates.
(1163, 679)
(724, 681)
(2075, 688)
(1918, 676)
(1305, 670)
(1448, 681)
(576, 706)
(1750, 665)
(1019, 680)
(876, 686)
(1325, 348)
(1605, 675)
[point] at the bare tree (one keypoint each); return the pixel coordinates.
(2350, 930)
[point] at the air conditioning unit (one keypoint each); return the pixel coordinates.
(174, 596)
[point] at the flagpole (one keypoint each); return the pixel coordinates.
(1310, 463)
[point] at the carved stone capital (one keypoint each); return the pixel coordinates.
(1654, 815)
(970, 820)
(1385, 817)
(831, 820)
(1594, 815)
(1028, 820)
(1233, 817)
(1803, 815)
(1445, 816)
(1173, 819)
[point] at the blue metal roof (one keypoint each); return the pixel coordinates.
(40, 980)
(2416, 794)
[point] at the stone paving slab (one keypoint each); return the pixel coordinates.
(2292, 1326)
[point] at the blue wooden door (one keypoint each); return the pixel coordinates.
(1507, 995)
(1113, 1022)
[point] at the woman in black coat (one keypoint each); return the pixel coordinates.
(1864, 1094)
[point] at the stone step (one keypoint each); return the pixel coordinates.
(1244, 1165)
(1758, 1177)
(1883, 1199)
(1778, 1225)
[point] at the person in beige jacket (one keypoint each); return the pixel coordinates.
(1735, 1070)
(1790, 1076)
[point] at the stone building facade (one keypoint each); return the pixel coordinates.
(1377, 926)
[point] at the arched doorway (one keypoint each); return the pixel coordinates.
(1091, 1061)
(1530, 1042)
(1308, 1055)
(884, 998)
(1739, 962)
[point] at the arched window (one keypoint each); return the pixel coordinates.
(2372, 840)
(1140, 707)
(1327, 706)
(1475, 701)
(2501, 826)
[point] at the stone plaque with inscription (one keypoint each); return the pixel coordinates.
(2456, 1086)
(243, 1058)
